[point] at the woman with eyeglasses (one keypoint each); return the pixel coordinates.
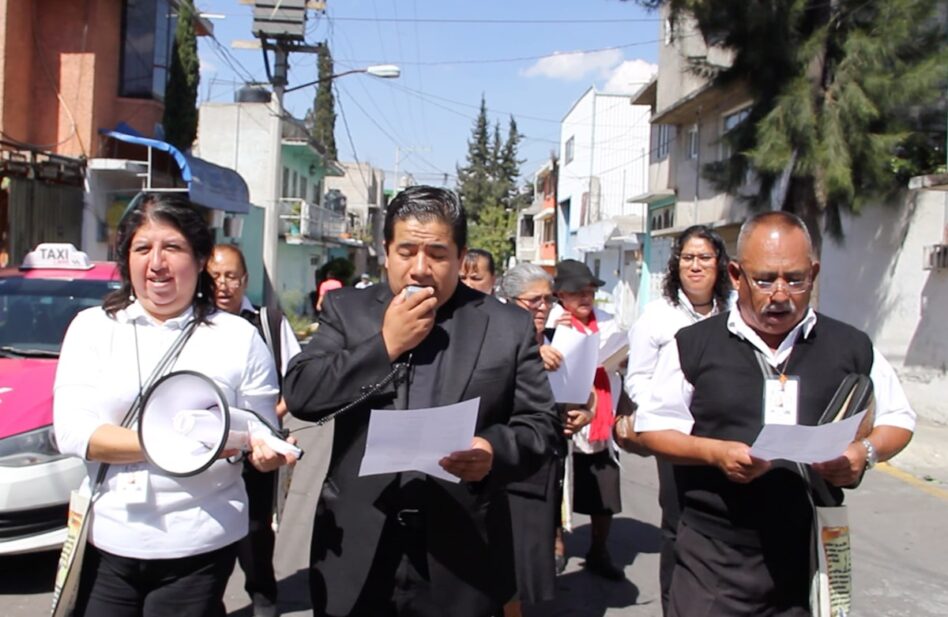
(535, 502)
(696, 286)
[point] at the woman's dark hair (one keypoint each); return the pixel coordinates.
(174, 210)
(427, 203)
(722, 282)
(473, 255)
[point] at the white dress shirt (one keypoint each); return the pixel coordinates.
(669, 406)
(102, 363)
(653, 330)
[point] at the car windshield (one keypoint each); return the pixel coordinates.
(34, 313)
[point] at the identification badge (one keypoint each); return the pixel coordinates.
(781, 396)
(132, 484)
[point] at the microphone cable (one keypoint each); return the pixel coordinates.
(367, 393)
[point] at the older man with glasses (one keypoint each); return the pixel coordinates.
(228, 269)
(744, 540)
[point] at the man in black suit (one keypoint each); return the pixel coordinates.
(408, 543)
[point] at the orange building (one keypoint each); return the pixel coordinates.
(71, 71)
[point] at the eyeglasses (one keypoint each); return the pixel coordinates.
(704, 259)
(794, 285)
(535, 301)
(227, 279)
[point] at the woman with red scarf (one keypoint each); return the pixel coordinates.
(595, 457)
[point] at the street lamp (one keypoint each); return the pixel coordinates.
(382, 71)
(271, 220)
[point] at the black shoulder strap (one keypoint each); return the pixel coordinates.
(271, 323)
(163, 366)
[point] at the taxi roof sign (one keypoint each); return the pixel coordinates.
(58, 256)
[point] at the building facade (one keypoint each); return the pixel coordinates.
(82, 89)
(604, 140)
(689, 117)
(238, 135)
(362, 187)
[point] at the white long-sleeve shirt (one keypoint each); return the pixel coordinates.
(669, 406)
(653, 330)
(102, 363)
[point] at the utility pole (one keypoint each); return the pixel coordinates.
(281, 26)
(271, 218)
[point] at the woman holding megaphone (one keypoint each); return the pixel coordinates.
(159, 543)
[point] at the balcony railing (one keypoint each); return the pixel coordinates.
(302, 219)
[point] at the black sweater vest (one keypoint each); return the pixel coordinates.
(728, 404)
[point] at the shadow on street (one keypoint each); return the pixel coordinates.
(582, 594)
(28, 574)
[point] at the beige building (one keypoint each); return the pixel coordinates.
(689, 117)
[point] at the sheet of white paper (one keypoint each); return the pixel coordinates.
(572, 382)
(416, 439)
(616, 342)
(806, 444)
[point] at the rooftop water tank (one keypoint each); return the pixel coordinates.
(252, 94)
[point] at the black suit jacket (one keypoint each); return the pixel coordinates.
(491, 354)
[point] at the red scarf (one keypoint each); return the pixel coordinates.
(600, 429)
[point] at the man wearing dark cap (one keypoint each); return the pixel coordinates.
(595, 457)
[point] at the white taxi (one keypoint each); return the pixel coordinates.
(37, 302)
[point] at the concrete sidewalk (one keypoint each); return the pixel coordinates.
(926, 456)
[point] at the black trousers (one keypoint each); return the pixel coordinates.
(671, 513)
(114, 586)
(399, 584)
(255, 551)
(713, 578)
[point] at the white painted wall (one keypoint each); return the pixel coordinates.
(611, 143)
(237, 136)
(875, 281)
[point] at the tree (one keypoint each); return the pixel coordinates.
(321, 118)
(488, 187)
(180, 119)
(474, 178)
(493, 232)
(843, 98)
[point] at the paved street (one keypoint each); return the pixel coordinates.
(899, 537)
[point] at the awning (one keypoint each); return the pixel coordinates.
(651, 196)
(208, 185)
(619, 231)
(647, 93)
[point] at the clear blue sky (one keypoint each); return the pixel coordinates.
(450, 53)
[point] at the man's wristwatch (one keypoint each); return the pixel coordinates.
(872, 457)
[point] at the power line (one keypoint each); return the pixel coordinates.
(483, 21)
(387, 134)
(345, 123)
(506, 60)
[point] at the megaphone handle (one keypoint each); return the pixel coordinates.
(281, 447)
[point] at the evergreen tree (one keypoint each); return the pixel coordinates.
(499, 185)
(843, 94)
(488, 187)
(493, 231)
(509, 167)
(474, 178)
(321, 119)
(180, 116)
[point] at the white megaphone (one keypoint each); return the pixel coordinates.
(185, 424)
